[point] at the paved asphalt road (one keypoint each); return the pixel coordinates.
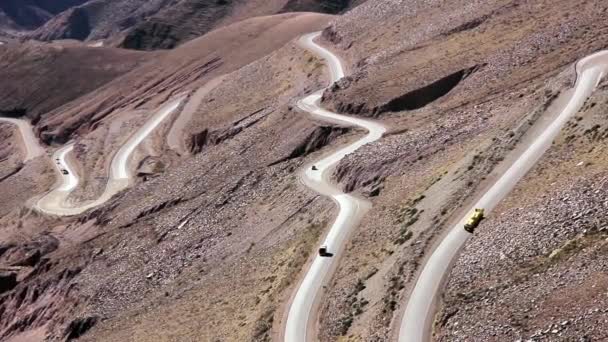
(55, 202)
(416, 321)
(300, 319)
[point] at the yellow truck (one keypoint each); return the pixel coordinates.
(474, 220)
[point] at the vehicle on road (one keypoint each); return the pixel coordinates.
(474, 220)
(323, 251)
(65, 172)
(314, 168)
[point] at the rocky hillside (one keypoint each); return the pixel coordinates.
(191, 18)
(145, 24)
(536, 269)
(460, 93)
(176, 24)
(53, 267)
(214, 236)
(98, 19)
(323, 6)
(174, 72)
(39, 78)
(18, 15)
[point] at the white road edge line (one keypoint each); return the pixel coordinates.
(417, 318)
(350, 207)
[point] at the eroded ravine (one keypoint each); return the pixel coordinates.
(416, 321)
(351, 209)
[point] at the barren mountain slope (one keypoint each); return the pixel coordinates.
(175, 71)
(20, 181)
(107, 115)
(228, 230)
(536, 268)
(497, 37)
(209, 244)
(161, 24)
(323, 6)
(28, 14)
(98, 19)
(37, 77)
(214, 241)
(190, 18)
(459, 95)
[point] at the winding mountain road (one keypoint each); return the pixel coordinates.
(31, 146)
(301, 311)
(55, 202)
(416, 321)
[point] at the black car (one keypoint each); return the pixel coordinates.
(323, 251)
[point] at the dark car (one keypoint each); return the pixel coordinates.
(65, 172)
(323, 251)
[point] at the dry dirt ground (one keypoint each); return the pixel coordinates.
(142, 24)
(208, 244)
(20, 181)
(536, 269)
(218, 267)
(38, 77)
(459, 94)
(107, 119)
(212, 243)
